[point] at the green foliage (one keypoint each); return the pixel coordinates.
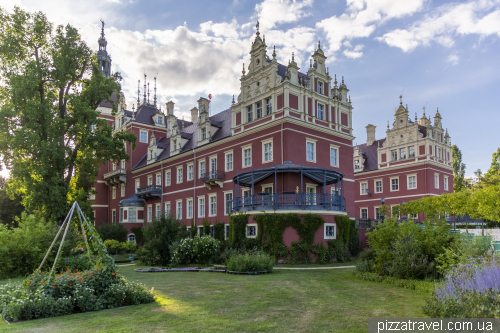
(10, 207)
(138, 232)
(408, 261)
(192, 231)
(219, 231)
(46, 117)
(251, 262)
(113, 245)
(470, 304)
(347, 242)
(116, 232)
(237, 230)
(403, 283)
(22, 249)
(159, 235)
(74, 263)
(458, 169)
(206, 227)
(197, 250)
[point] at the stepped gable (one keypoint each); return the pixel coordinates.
(370, 154)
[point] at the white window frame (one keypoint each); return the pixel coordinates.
(202, 171)
(334, 225)
(149, 213)
(203, 133)
(258, 110)
(361, 213)
(150, 180)
(140, 136)
(210, 159)
(190, 173)
(114, 192)
(160, 120)
(381, 185)
(178, 210)
(226, 154)
(321, 109)
(137, 184)
(189, 215)
(408, 181)
(356, 165)
(312, 187)
(436, 180)
(392, 155)
(256, 230)
(225, 201)
(313, 142)
(92, 194)
(201, 211)
(210, 197)
(122, 164)
(122, 190)
(177, 174)
(243, 156)
(320, 87)
(113, 216)
(158, 178)
(249, 113)
(411, 154)
(363, 188)
(157, 210)
(446, 184)
(264, 143)
(168, 177)
(375, 212)
(167, 211)
(402, 152)
(337, 150)
(269, 106)
(391, 178)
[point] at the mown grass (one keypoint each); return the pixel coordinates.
(284, 301)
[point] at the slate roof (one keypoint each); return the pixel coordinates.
(282, 70)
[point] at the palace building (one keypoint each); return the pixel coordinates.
(283, 145)
(412, 161)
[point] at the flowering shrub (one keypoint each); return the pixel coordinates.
(198, 250)
(69, 292)
(79, 262)
(257, 262)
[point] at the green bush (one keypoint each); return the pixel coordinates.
(159, 235)
(409, 261)
(112, 231)
(113, 245)
(138, 232)
(219, 231)
(197, 250)
(403, 283)
(22, 249)
(237, 230)
(257, 262)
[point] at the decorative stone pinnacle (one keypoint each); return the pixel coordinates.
(264, 39)
(233, 99)
(335, 80)
(274, 51)
(342, 79)
(319, 44)
(293, 57)
(424, 111)
(310, 63)
(243, 71)
(257, 26)
(400, 99)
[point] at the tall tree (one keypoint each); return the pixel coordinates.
(458, 169)
(10, 207)
(51, 86)
(492, 176)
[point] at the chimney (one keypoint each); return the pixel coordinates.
(170, 108)
(203, 105)
(194, 115)
(370, 134)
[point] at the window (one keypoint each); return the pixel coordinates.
(114, 166)
(310, 195)
(330, 231)
(213, 165)
(201, 207)
(364, 213)
(189, 208)
(269, 106)
(203, 133)
(259, 110)
(158, 211)
(179, 210)
(150, 180)
(167, 178)
(402, 153)
(122, 190)
(122, 164)
(131, 238)
(114, 192)
(160, 120)
(150, 213)
(247, 157)
(439, 153)
(213, 205)
(446, 183)
(121, 214)
(228, 201)
(247, 199)
(158, 179)
(229, 162)
(311, 151)
(92, 194)
(190, 172)
(395, 184)
(364, 188)
(394, 155)
(436, 181)
(202, 169)
(320, 88)
(334, 153)
(132, 214)
(411, 151)
(200, 231)
(412, 182)
(167, 208)
(378, 216)
(144, 136)
(320, 111)
(356, 164)
(175, 144)
(252, 230)
(249, 113)
(179, 175)
(113, 216)
(227, 231)
(268, 152)
(137, 184)
(378, 186)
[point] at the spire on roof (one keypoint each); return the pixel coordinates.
(310, 63)
(257, 26)
(138, 92)
(133, 111)
(264, 39)
(416, 118)
(155, 93)
(243, 71)
(293, 56)
(424, 111)
(274, 52)
(319, 45)
(233, 100)
(148, 92)
(335, 82)
(103, 57)
(400, 99)
(144, 88)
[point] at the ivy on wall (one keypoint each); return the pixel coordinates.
(219, 231)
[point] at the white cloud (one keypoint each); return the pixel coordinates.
(454, 59)
(362, 18)
(472, 17)
(273, 12)
(224, 29)
(358, 47)
(352, 54)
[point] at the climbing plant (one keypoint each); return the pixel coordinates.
(219, 231)
(237, 230)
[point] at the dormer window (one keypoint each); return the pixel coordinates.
(175, 144)
(160, 120)
(356, 164)
(203, 133)
(320, 88)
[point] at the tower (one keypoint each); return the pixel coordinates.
(103, 57)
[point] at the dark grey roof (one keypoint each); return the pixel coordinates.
(282, 70)
(133, 201)
(370, 154)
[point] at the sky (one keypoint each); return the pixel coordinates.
(437, 54)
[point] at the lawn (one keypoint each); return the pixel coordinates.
(284, 301)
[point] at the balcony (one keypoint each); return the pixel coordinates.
(212, 178)
(116, 177)
(278, 201)
(149, 192)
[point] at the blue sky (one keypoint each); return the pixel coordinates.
(436, 53)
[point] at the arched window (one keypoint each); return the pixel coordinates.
(131, 238)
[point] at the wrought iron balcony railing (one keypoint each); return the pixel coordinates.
(149, 192)
(309, 201)
(116, 177)
(215, 177)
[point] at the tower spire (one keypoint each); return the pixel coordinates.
(138, 92)
(400, 99)
(144, 88)
(257, 26)
(155, 93)
(103, 57)
(274, 52)
(148, 92)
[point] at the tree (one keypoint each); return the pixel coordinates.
(9, 207)
(115, 232)
(51, 86)
(492, 176)
(458, 169)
